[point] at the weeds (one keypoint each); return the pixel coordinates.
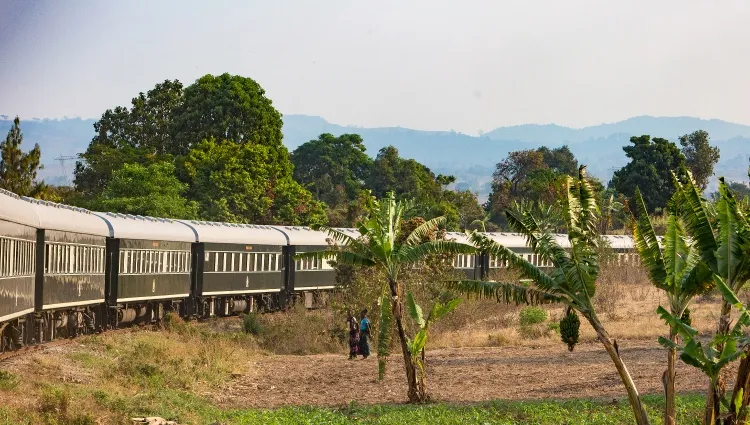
(8, 381)
(251, 324)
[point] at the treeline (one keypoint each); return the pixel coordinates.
(213, 151)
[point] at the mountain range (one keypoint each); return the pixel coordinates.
(470, 158)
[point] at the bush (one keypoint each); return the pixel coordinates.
(7, 380)
(532, 316)
(251, 324)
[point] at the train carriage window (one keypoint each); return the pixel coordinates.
(223, 261)
(123, 262)
(3, 256)
(231, 262)
(251, 262)
(240, 261)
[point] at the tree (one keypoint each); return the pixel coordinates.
(150, 191)
(141, 134)
(227, 107)
(383, 246)
(700, 156)
(675, 267)
(18, 170)
(561, 160)
(332, 168)
(246, 183)
(650, 169)
(466, 206)
(572, 280)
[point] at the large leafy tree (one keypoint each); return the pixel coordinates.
(650, 170)
(407, 178)
(140, 134)
(152, 190)
(700, 156)
(675, 267)
(333, 168)
(226, 121)
(18, 170)
(227, 107)
(384, 244)
(571, 280)
(245, 183)
(561, 160)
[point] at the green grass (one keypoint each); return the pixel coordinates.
(497, 412)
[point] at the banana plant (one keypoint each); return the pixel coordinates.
(726, 250)
(675, 267)
(712, 358)
(571, 281)
(417, 345)
(381, 245)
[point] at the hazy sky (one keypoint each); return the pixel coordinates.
(465, 65)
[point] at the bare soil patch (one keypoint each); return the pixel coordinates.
(456, 375)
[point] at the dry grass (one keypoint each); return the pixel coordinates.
(625, 300)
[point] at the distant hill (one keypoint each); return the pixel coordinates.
(470, 158)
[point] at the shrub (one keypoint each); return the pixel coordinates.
(251, 324)
(7, 380)
(532, 316)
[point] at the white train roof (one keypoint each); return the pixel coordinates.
(300, 235)
(53, 216)
(459, 237)
(215, 232)
(126, 226)
(14, 209)
(622, 241)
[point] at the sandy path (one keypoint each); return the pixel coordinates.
(465, 374)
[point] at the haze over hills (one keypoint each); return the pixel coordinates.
(470, 158)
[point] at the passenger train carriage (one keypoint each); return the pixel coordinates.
(235, 264)
(18, 224)
(148, 266)
(66, 270)
(69, 290)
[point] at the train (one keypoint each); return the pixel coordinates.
(66, 271)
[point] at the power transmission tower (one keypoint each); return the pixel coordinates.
(62, 159)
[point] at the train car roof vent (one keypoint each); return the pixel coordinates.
(11, 194)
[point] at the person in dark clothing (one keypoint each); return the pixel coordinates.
(364, 335)
(353, 325)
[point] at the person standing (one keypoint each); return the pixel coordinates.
(364, 335)
(353, 324)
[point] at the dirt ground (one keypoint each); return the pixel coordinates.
(457, 375)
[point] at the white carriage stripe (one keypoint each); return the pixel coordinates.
(159, 297)
(14, 315)
(252, 291)
(17, 277)
(237, 272)
(313, 287)
(71, 304)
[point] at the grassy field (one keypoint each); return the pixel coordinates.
(499, 412)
